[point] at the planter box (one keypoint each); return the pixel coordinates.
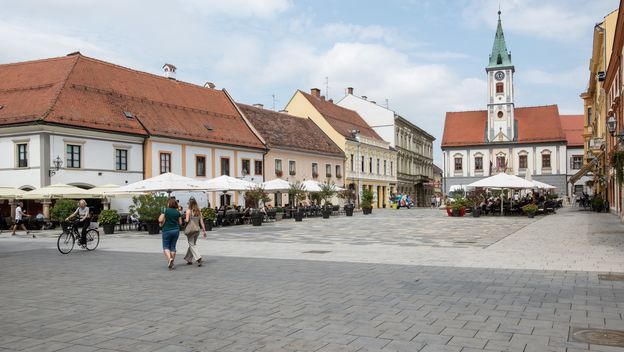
(153, 228)
(367, 211)
(109, 229)
(349, 211)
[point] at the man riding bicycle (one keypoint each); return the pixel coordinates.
(84, 220)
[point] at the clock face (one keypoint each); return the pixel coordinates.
(499, 75)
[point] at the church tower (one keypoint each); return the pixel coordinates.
(501, 126)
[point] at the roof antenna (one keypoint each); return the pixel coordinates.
(327, 87)
(274, 97)
(387, 104)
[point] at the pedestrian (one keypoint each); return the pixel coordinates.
(84, 220)
(170, 221)
(194, 221)
(19, 220)
(433, 201)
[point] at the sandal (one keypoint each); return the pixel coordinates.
(170, 265)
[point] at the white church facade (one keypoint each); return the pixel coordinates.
(503, 137)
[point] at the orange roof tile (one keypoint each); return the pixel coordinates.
(84, 92)
(573, 126)
(535, 124)
(343, 120)
(280, 130)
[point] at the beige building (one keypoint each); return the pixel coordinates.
(370, 163)
(298, 149)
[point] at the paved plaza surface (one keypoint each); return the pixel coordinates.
(523, 289)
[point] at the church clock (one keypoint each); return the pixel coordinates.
(500, 75)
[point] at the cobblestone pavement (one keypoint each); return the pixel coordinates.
(271, 294)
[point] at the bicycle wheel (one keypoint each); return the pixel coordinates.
(65, 242)
(93, 239)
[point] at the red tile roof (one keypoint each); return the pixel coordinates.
(535, 124)
(572, 126)
(280, 130)
(83, 92)
(343, 120)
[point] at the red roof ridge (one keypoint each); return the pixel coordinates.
(518, 107)
(28, 62)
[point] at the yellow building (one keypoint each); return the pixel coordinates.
(594, 99)
(370, 163)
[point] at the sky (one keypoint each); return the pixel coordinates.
(425, 57)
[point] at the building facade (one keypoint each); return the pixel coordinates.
(370, 163)
(85, 122)
(572, 126)
(298, 150)
(504, 138)
(414, 146)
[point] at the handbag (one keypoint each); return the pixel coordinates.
(191, 228)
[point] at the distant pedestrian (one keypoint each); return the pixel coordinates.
(170, 221)
(194, 222)
(19, 220)
(433, 201)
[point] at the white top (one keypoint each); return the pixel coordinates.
(18, 213)
(82, 212)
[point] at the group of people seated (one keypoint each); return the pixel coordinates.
(233, 215)
(492, 205)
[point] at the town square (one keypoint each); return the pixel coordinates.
(284, 175)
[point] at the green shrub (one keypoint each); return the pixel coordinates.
(279, 210)
(530, 208)
(348, 195)
(148, 207)
(62, 209)
(367, 198)
(108, 217)
(208, 213)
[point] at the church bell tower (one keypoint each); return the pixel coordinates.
(501, 126)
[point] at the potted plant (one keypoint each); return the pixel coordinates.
(108, 219)
(367, 201)
(530, 210)
(209, 216)
(279, 213)
(149, 208)
(326, 193)
(297, 193)
(279, 173)
(473, 200)
(459, 207)
(254, 196)
(597, 203)
(349, 196)
(62, 209)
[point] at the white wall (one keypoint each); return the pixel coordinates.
(378, 117)
(10, 175)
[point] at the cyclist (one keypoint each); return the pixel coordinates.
(84, 220)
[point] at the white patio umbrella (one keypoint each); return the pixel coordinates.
(57, 191)
(311, 186)
(337, 188)
(166, 182)
(503, 181)
(227, 183)
(277, 185)
(10, 193)
(542, 185)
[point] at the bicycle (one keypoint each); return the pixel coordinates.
(67, 238)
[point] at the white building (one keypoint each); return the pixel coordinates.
(573, 128)
(504, 138)
(414, 146)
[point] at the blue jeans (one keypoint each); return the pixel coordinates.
(169, 239)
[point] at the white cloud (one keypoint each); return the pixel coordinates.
(235, 8)
(575, 77)
(561, 20)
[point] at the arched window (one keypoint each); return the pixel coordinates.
(459, 162)
(523, 160)
(500, 88)
(546, 159)
(478, 162)
(499, 60)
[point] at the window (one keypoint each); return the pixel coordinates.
(391, 173)
(545, 161)
(499, 88)
(22, 155)
(225, 166)
(73, 156)
(352, 169)
(522, 162)
(362, 164)
(165, 162)
(121, 160)
(576, 162)
(589, 115)
(479, 163)
(378, 167)
(385, 173)
(292, 167)
(278, 167)
(338, 172)
(458, 164)
(370, 165)
(327, 170)
(246, 167)
(258, 167)
(200, 166)
(501, 163)
(315, 170)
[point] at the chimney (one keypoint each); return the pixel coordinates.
(331, 101)
(364, 97)
(315, 92)
(169, 71)
(350, 90)
(259, 106)
(322, 97)
(209, 85)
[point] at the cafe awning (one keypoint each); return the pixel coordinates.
(583, 171)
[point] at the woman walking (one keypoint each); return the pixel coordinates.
(170, 221)
(194, 222)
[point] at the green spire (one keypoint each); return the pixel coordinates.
(500, 57)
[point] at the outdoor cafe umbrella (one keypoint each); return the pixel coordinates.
(226, 183)
(277, 185)
(542, 185)
(166, 182)
(57, 191)
(311, 186)
(503, 181)
(10, 193)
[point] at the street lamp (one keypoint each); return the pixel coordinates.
(356, 135)
(57, 166)
(611, 125)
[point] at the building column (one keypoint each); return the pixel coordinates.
(46, 208)
(105, 204)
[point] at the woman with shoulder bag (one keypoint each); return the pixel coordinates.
(193, 222)
(170, 221)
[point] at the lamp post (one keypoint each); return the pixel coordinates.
(356, 136)
(57, 166)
